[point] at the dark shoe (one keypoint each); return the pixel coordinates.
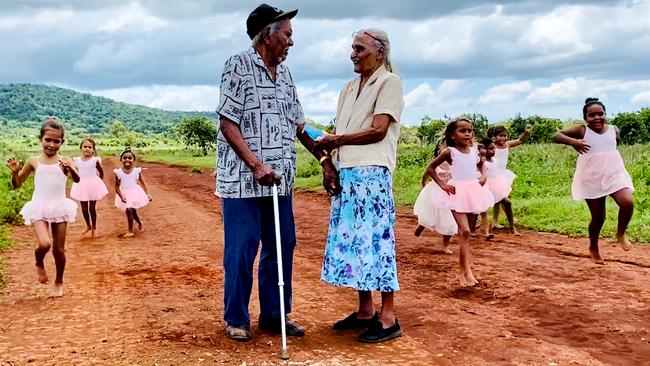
(352, 322)
(274, 325)
(378, 334)
(241, 334)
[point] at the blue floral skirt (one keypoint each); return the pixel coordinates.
(360, 251)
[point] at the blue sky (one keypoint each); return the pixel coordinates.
(496, 58)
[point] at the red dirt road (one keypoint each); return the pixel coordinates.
(157, 299)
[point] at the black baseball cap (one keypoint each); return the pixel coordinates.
(264, 15)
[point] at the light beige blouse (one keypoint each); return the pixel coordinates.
(382, 94)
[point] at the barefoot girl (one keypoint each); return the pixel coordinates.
(49, 210)
(499, 135)
(498, 181)
(464, 192)
(91, 188)
(429, 215)
(129, 195)
(600, 172)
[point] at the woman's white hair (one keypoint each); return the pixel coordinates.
(272, 28)
(380, 39)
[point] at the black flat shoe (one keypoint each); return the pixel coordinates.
(352, 322)
(378, 334)
(274, 325)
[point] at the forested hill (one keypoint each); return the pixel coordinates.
(27, 105)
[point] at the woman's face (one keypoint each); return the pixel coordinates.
(365, 56)
(595, 116)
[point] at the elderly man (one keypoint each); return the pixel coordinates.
(260, 117)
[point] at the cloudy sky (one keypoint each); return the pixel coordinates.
(496, 58)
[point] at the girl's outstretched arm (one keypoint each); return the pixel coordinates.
(118, 192)
(524, 136)
(430, 171)
(144, 185)
(69, 168)
(20, 173)
(100, 169)
(574, 137)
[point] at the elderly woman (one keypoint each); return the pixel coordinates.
(360, 251)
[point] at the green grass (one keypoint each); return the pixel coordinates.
(541, 193)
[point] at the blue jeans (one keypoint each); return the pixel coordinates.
(246, 222)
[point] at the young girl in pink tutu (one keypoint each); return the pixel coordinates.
(50, 210)
(130, 190)
(429, 215)
(600, 172)
(499, 181)
(500, 136)
(464, 194)
(91, 188)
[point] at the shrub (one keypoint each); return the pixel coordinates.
(543, 128)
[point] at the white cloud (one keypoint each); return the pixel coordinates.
(504, 93)
(423, 96)
(132, 17)
(563, 91)
(169, 97)
(642, 97)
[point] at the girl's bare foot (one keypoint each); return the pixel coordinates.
(88, 229)
(489, 237)
(497, 226)
(447, 250)
(57, 291)
(128, 234)
(470, 279)
(625, 244)
(418, 230)
(462, 278)
(93, 233)
(514, 231)
(595, 256)
(141, 228)
(42, 275)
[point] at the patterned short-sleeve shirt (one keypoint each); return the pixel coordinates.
(268, 114)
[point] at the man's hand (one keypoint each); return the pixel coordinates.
(331, 179)
(265, 176)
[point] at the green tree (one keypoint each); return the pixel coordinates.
(198, 131)
(118, 129)
(429, 129)
(543, 128)
(634, 127)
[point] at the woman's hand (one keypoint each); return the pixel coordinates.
(328, 143)
(448, 188)
(580, 145)
(265, 176)
(331, 179)
(14, 165)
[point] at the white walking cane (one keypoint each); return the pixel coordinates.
(278, 246)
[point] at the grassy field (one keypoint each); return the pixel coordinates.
(541, 194)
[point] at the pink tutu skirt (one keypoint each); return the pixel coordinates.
(135, 198)
(499, 186)
(430, 215)
(470, 197)
(52, 211)
(89, 189)
(599, 175)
